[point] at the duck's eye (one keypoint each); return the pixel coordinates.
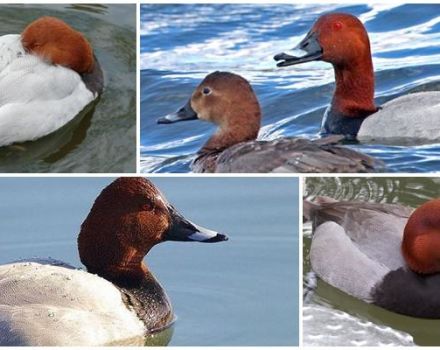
(146, 207)
(206, 91)
(337, 25)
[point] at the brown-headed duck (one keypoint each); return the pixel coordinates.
(384, 254)
(228, 100)
(48, 75)
(342, 40)
(44, 302)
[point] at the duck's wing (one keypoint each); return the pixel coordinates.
(376, 229)
(295, 155)
(340, 262)
(43, 305)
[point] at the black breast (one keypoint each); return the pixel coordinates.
(409, 293)
(150, 302)
(338, 124)
(94, 80)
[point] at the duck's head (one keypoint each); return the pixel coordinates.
(128, 218)
(337, 38)
(421, 239)
(58, 43)
(227, 100)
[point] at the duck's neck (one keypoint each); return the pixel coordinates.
(354, 94)
(123, 266)
(231, 133)
(142, 293)
(149, 300)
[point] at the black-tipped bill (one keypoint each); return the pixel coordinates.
(309, 44)
(184, 230)
(184, 113)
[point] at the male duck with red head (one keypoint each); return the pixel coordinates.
(47, 302)
(341, 39)
(228, 101)
(48, 75)
(387, 254)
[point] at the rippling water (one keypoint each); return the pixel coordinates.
(240, 292)
(180, 44)
(103, 137)
(406, 191)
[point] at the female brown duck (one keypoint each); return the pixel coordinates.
(227, 100)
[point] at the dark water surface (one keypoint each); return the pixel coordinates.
(407, 191)
(180, 44)
(240, 292)
(103, 137)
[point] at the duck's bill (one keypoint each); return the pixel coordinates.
(309, 44)
(184, 230)
(184, 113)
(206, 235)
(288, 60)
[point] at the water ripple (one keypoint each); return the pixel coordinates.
(180, 44)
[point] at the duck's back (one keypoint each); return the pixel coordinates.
(292, 155)
(409, 118)
(36, 98)
(44, 303)
(355, 245)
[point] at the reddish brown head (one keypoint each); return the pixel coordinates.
(227, 100)
(421, 239)
(128, 218)
(342, 40)
(58, 43)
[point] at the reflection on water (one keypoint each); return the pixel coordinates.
(50, 148)
(181, 43)
(161, 338)
(103, 137)
(407, 191)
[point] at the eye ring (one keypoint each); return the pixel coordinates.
(206, 91)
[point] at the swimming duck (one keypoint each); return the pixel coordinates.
(47, 302)
(48, 75)
(387, 254)
(342, 40)
(227, 100)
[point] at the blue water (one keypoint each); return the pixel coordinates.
(240, 292)
(180, 44)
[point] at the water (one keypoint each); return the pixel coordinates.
(103, 138)
(406, 191)
(240, 292)
(180, 44)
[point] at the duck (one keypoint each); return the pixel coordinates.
(228, 100)
(386, 253)
(342, 40)
(45, 302)
(48, 75)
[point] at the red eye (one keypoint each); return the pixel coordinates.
(146, 207)
(337, 25)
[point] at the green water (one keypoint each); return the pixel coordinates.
(103, 137)
(407, 191)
